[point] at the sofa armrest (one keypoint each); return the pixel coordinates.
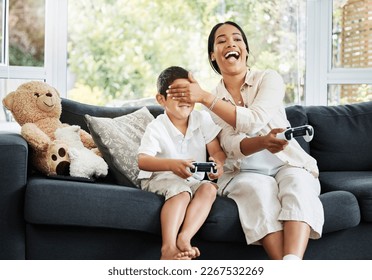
(13, 179)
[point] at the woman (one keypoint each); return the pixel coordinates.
(273, 182)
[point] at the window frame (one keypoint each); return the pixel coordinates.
(319, 50)
(54, 70)
(4, 30)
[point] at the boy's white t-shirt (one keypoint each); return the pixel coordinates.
(163, 140)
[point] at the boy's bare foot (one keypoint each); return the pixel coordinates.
(196, 252)
(184, 246)
(186, 255)
(174, 254)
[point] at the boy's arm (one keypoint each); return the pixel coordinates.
(217, 155)
(154, 164)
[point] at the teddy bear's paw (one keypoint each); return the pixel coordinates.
(101, 170)
(59, 161)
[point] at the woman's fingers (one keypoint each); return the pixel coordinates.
(181, 93)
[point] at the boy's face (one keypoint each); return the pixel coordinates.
(176, 110)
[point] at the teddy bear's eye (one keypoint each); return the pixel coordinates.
(36, 94)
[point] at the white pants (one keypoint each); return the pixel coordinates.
(264, 201)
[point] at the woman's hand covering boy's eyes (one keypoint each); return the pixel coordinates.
(190, 92)
(179, 91)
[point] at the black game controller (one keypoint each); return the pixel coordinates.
(305, 131)
(209, 167)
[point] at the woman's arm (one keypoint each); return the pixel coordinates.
(268, 99)
(237, 145)
(267, 93)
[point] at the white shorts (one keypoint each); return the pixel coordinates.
(264, 201)
(169, 185)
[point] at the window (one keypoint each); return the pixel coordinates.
(26, 32)
(2, 32)
(352, 34)
(116, 49)
(322, 48)
(33, 44)
(339, 62)
(351, 48)
(22, 43)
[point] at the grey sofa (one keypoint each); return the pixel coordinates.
(43, 218)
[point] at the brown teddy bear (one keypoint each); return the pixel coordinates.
(36, 106)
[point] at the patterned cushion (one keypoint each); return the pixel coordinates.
(118, 140)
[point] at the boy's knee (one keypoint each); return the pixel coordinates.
(208, 189)
(181, 195)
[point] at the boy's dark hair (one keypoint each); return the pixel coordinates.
(168, 76)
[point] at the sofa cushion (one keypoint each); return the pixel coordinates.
(223, 222)
(69, 203)
(342, 136)
(118, 139)
(357, 182)
(341, 211)
(58, 202)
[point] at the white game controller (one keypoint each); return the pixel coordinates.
(305, 131)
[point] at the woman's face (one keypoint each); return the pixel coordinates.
(229, 50)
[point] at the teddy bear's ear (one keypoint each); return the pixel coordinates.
(9, 100)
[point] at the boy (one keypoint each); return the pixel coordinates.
(169, 146)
